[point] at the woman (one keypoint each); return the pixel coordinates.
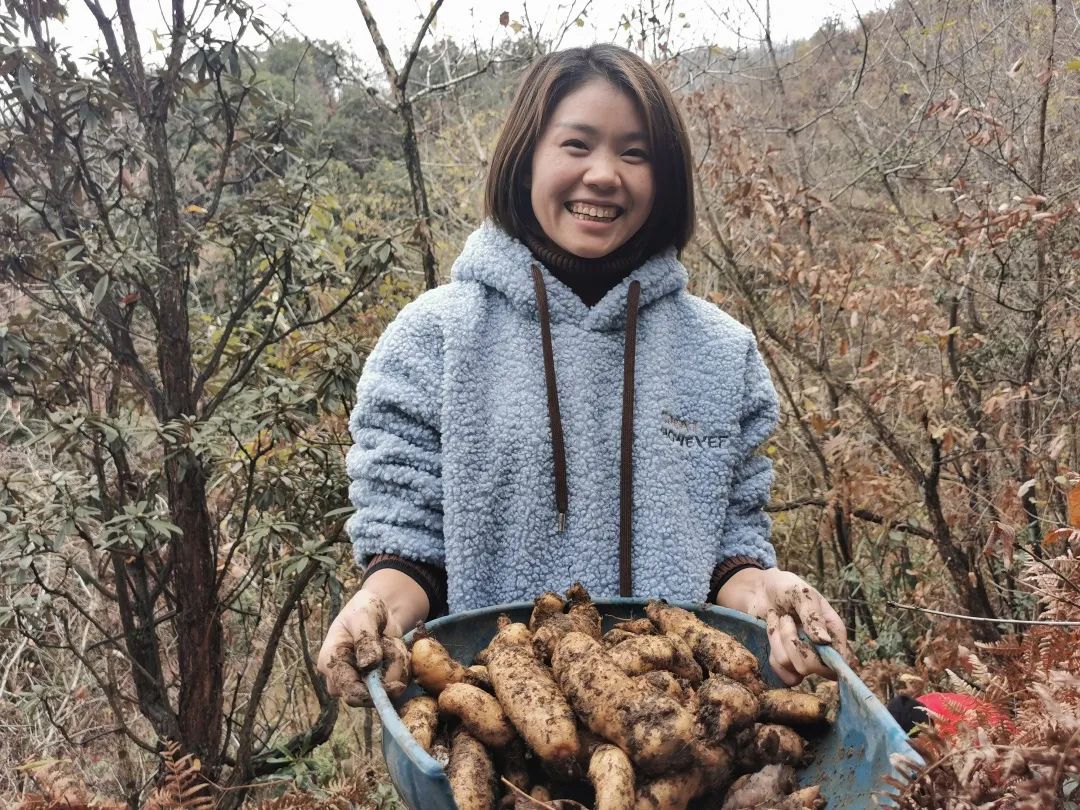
(564, 409)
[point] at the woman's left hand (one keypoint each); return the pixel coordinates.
(786, 603)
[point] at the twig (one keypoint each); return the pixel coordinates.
(1044, 623)
(862, 514)
(414, 51)
(435, 88)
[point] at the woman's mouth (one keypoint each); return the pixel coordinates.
(593, 213)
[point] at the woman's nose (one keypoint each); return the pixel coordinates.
(602, 172)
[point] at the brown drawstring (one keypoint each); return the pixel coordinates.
(558, 450)
(626, 450)
(626, 469)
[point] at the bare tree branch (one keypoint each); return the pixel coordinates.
(406, 69)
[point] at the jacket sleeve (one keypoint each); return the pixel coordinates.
(394, 465)
(747, 527)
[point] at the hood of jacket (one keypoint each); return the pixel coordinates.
(497, 260)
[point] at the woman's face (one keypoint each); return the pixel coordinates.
(591, 178)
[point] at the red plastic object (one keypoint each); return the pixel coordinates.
(954, 709)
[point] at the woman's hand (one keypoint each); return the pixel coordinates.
(367, 634)
(787, 603)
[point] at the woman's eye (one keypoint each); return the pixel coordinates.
(575, 144)
(638, 153)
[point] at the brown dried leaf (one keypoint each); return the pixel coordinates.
(1074, 506)
(1056, 536)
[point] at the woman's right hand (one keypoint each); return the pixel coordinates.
(367, 634)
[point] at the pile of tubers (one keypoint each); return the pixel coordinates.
(660, 713)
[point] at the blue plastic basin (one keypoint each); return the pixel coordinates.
(848, 761)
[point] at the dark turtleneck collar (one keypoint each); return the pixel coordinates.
(590, 279)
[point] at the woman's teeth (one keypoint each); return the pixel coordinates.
(593, 213)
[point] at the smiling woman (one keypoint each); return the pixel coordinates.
(564, 409)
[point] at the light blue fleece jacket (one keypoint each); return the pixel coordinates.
(452, 462)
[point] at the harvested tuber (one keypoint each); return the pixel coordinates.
(773, 787)
(545, 606)
(612, 776)
(510, 634)
(771, 783)
(651, 727)
(582, 611)
(792, 708)
(640, 654)
(421, 717)
(440, 752)
(532, 700)
(433, 667)
(479, 712)
(714, 649)
(669, 792)
(664, 682)
(549, 624)
(809, 798)
(639, 627)
(615, 636)
(471, 773)
(769, 744)
(724, 705)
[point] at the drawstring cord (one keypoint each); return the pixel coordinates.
(626, 469)
(558, 449)
(626, 450)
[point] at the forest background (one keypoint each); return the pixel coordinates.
(198, 250)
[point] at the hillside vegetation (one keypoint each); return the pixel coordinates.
(198, 250)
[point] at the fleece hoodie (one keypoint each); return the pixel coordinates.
(494, 436)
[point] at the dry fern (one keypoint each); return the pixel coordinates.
(978, 672)
(57, 789)
(368, 788)
(183, 787)
(960, 684)
(1029, 765)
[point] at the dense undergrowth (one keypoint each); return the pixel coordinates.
(891, 206)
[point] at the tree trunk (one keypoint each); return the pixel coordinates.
(399, 82)
(419, 192)
(965, 576)
(199, 633)
(1029, 371)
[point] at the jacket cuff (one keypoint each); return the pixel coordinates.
(432, 578)
(726, 569)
